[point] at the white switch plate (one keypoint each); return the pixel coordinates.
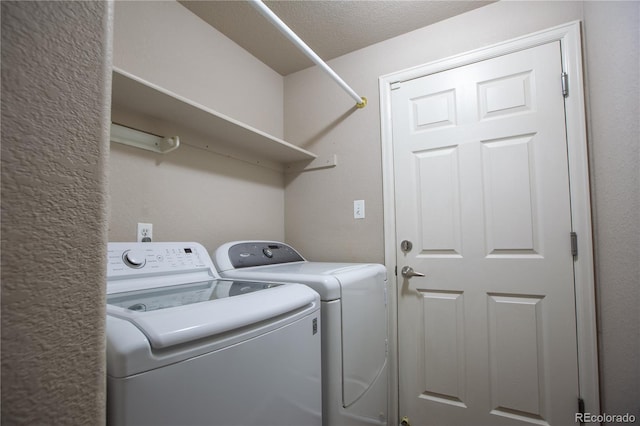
(358, 209)
(145, 230)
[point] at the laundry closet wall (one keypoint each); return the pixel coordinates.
(193, 194)
(321, 118)
(56, 59)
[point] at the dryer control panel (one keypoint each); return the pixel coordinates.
(260, 253)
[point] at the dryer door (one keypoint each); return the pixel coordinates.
(364, 329)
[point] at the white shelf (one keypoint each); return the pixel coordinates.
(215, 132)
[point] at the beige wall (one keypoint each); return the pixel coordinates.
(318, 204)
(55, 103)
(165, 43)
(192, 194)
(612, 34)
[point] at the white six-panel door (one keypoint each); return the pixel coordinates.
(488, 335)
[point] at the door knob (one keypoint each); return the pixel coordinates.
(408, 272)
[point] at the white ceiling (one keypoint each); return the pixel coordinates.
(330, 27)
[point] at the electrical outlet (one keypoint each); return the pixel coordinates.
(358, 209)
(145, 232)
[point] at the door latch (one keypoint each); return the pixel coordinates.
(408, 272)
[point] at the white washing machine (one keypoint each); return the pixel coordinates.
(354, 323)
(185, 347)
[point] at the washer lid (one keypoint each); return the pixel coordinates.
(178, 314)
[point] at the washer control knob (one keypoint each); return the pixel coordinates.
(267, 252)
(134, 259)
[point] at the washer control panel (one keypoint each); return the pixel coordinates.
(138, 259)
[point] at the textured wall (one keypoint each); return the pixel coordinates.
(612, 33)
(55, 105)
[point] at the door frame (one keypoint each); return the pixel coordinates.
(569, 36)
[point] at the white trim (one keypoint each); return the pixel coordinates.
(389, 223)
(570, 41)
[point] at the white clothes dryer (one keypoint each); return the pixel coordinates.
(185, 347)
(354, 323)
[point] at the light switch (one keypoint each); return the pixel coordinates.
(358, 209)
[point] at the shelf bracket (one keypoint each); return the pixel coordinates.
(318, 163)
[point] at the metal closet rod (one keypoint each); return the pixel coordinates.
(361, 102)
